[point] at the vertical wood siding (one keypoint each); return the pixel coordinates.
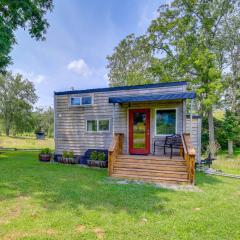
(196, 135)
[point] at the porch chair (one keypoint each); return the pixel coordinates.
(173, 142)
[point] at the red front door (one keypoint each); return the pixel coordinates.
(139, 131)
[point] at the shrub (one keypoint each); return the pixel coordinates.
(71, 154)
(93, 155)
(101, 156)
(46, 151)
(65, 154)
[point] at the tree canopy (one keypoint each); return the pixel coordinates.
(26, 14)
(17, 96)
(189, 41)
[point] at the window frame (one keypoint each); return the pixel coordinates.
(98, 131)
(70, 101)
(88, 104)
(80, 97)
(157, 109)
(87, 125)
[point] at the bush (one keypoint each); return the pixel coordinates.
(93, 155)
(67, 154)
(101, 156)
(46, 151)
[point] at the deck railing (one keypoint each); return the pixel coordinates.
(189, 154)
(114, 150)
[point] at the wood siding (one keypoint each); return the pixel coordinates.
(70, 122)
(196, 135)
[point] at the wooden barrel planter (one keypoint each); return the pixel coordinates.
(45, 157)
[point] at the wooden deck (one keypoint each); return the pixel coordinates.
(156, 169)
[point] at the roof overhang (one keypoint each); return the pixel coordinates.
(155, 97)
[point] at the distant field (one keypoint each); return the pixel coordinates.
(23, 142)
(228, 164)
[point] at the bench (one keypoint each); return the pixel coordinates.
(173, 142)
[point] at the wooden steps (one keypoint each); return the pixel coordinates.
(151, 169)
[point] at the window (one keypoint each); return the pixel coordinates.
(81, 101)
(101, 125)
(87, 100)
(75, 101)
(91, 125)
(165, 121)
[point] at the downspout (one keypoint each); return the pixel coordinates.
(113, 124)
(191, 117)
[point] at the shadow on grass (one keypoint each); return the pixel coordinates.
(203, 179)
(58, 187)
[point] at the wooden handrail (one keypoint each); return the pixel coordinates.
(189, 154)
(114, 150)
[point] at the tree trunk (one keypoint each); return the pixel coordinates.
(230, 147)
(212, 145)
(7, 131)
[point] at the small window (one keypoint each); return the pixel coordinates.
(87, 100)
(103, 125)
(75, 101)
(91, 125)
(165, 121)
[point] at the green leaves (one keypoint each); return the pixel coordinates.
(27, 14)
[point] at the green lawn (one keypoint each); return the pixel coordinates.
(228, 164)
(23, 142)
(54, 201)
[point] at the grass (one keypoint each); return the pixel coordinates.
(23, 142)
(228, 164)
(56, 201)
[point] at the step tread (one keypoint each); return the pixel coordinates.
(152, 178)
(156, 162)
(152, 157)
(149, 170)
(149, 166)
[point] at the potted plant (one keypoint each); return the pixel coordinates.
(68, 157)
(45, 155)
(97, 159)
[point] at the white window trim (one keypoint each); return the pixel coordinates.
(86, 126)
(155, 121)
(100, 119)
(70, 102)
(80, 97)
(88, 103)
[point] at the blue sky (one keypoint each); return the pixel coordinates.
(81, 34)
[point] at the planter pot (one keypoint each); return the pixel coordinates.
(97, 163)
(68, 160)
(45, 157)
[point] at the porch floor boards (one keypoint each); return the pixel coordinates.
(151, 168)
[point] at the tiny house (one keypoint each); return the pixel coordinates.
(134, 118)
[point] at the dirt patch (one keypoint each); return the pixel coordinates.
(15, 235)
(99, 232)
(80, 228)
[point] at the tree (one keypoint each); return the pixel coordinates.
(17, 96)
(27, 14)
(44, 120)
(130, 62)
(187, 34)
(231, 129)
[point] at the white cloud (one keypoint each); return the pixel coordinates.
(80, 67)
(31, 76)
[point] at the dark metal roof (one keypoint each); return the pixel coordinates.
(110, 89)
(155, 97)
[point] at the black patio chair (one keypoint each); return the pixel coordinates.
(173, 142)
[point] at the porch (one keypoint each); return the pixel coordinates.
(153, 168)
